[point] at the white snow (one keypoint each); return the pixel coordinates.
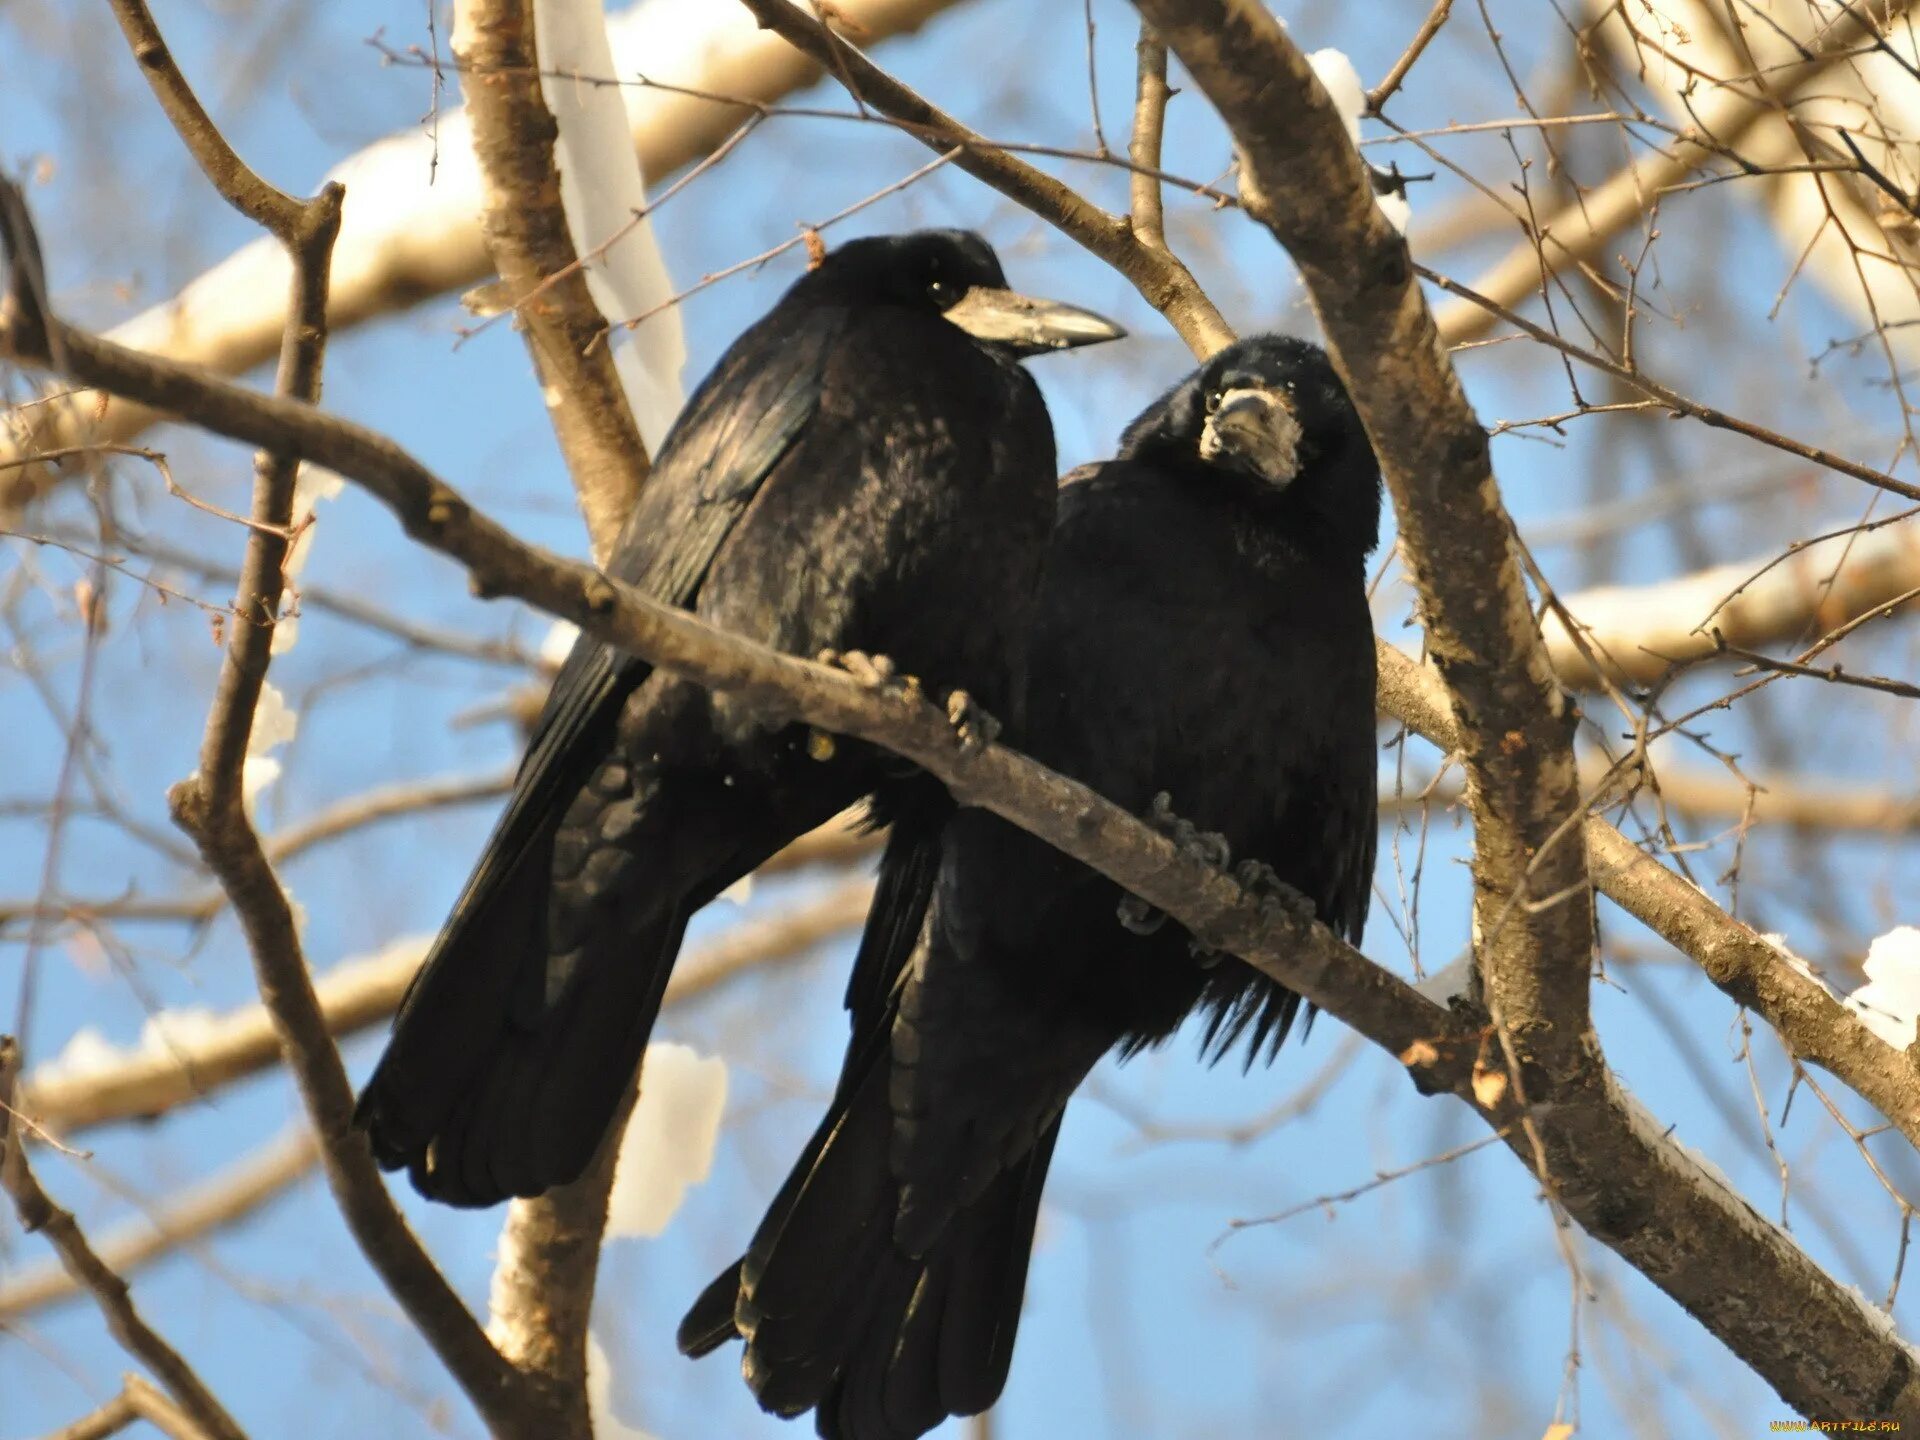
(1889, 1003)
(1796, 962)
(313, 485)
(607, 1424)
(558, 642)
(168, 1032)
(87, 1052)
(668, 1145)
(274, 724)
(1341, 81)
(602, 191)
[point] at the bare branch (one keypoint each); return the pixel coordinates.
(1306, 959)
(526, 230)
(1416, 47)
(402, 243)
(1149, 128)
(357, 994)
(110, 1292)
(137, 1400)
(1166, 284)
(1579, 232)
(178, 1220)
(208, 804)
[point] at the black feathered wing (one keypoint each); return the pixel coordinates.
(733, 433)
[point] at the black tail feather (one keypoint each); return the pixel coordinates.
(482, 1096)
(882, 1344)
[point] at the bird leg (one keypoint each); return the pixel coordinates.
(877, 673)
(872, 672)
(1259, 880)
(1209, 847)
(973, 726)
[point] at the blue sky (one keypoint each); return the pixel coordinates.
(1439, 1302)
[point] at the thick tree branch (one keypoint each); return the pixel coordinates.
(1301, 177)
(1602, 1158)
(549, 1248)
(1306, 958)
(38, 1213)
(526, 232)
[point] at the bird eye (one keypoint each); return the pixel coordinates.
(939, 292)
(1213, 401)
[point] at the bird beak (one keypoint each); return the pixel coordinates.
(1028, 326)
(1254, 430)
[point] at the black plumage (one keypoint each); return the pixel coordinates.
(866, 468)
(1202, 630)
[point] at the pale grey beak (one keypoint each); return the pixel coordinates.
(1028, 326)
(1255, 431)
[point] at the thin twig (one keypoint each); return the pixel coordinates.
(111, 1293)
(1416, 47)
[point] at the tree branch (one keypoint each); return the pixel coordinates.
(1771, 1286)
(208, 804)
(1148, 215)
(1307, 959)
(1166, 284)
(526, 233)
(1301, 177)
(177, 1220)
(357, 994)
(137, 1400)
(549, 1249)
(1601, 1157)
(403, 242)
(94, 1275)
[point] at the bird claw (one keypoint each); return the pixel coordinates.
(1137, 916)
(1258, 879)
(872, 672)
(1209, 847)
(974, 727)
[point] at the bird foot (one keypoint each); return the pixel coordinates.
(1209, 847)
(872, 672)
(972, 725)
(1138, 916)
(1258, 879)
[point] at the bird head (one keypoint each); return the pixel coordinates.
(955, 274)
(1271, 409)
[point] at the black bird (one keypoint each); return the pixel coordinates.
(867, 468)
(1202, 630)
